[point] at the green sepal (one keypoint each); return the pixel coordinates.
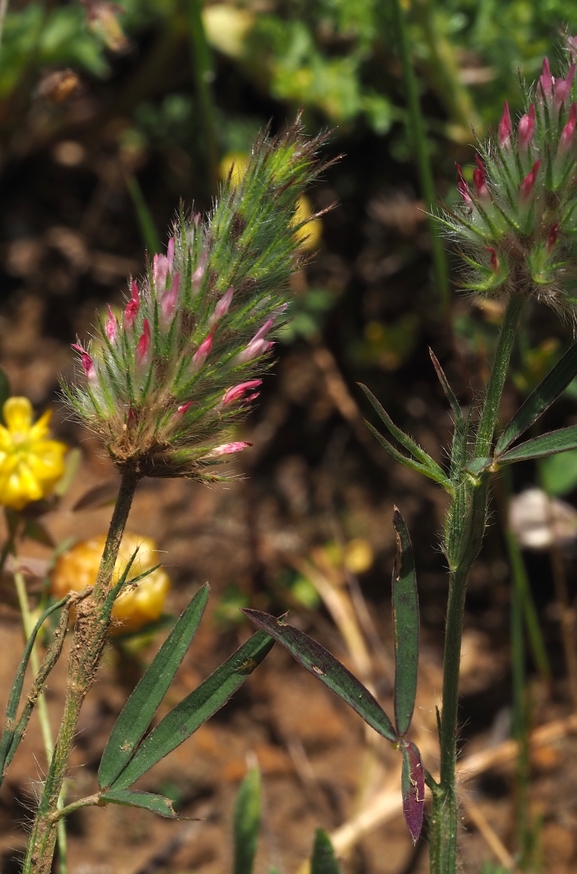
(323, 860)
(194, 710)
(405, 602)
(133, 798)
(326, 668)
(547, 444)
(540, 399)
(421, 461)
(246, 822)
(144, 701)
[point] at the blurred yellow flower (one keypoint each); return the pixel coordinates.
(30, 463)
(309, 234)
(136, 605)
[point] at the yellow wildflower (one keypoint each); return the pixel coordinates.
(30, 462)
(136, 605)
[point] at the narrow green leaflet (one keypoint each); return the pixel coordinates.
(132, 798)
(405, 627)
(413, 788)
(246, 822)
(323, 860)
(196, 708)
(546, 444)
(138, 711)
(421, 461)
(459, 446)
(326, 668)
(448, 391)
(13, 731)
(540, 399)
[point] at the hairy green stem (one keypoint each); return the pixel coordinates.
(85, 654)
(464, 535)
(43, 717)
(499, 370)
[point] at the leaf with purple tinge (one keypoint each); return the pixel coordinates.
(413, 788)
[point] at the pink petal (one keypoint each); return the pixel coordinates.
(132, 307)
(236, 392)
(143, 343)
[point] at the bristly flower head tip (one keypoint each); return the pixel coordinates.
(522, 206)
(163, 383)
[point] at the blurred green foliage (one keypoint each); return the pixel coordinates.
(332, 56)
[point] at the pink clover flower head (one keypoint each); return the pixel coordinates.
(568, 131)
(518, 216)
(229, 448)
(526, 128)
(238, 392)
(143, 346)
(463, 187)
(86, 360)
(111, 327)
(181, 364)
(528, 183)
(505, 128)
(132, 307)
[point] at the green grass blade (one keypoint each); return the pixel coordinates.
(546, 444)
(196, 708)
(405, 627)
(323, 860)
(326, 668)
(143, 703)
(246, 822)
(133, 798)
(540, 399)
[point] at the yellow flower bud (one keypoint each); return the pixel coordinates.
(30, 463)
(137, 605)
